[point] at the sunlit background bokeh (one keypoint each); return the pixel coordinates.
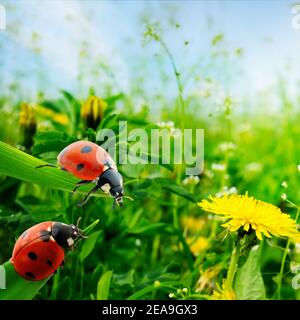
(76, 45)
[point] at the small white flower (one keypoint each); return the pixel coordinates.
(191, 180)
(161, 124)
(227, 191)
(170, 124)
(227, 146)
(298, 167)
(175, 132)
(284, 196)
(218, 167)
(185, 290)
(171, 295)
(284, 184)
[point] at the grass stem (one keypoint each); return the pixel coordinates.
(280, 275)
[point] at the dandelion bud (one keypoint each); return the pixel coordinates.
(92, 112)
(28, 126)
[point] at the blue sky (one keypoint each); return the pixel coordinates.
(113, 29)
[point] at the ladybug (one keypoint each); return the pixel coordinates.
(40, 250)
(91, 163)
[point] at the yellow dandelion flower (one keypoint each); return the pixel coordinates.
(223, 293)
(247, 212)
(197, 245)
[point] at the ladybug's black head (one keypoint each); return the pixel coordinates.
(65, 235)
(111, 181)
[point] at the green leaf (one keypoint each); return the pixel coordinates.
(108, 121)
(139, 294)
(74, 105)
(175, 188)
(18, 288)
(132, 170)
(112, 99)
(42, 213)
(54, 106)
(145, 227)
(47, 141)
(249, 283)
(104, 285)
(20, 165)
(125, 278)
(89, 244)
(64, 289)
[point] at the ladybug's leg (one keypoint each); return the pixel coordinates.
(85, 199)
(81, 183)
(46, 165)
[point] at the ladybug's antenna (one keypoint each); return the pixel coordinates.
(78, 221)
(81, 235)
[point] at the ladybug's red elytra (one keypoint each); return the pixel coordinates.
(40, 250)
(91, 163)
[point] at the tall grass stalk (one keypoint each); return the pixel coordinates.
(286, 251)
(181, 103)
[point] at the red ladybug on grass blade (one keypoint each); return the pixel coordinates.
(91, 163)
(40, 250)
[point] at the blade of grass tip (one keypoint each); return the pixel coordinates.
(20, 165)
(89, 228)
(16, 287)
(129, 198)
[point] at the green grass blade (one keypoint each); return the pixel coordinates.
(20, 165)
(18, 288)
(89, 228)
(104, 285)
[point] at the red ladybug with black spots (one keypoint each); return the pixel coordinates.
(91, 163)
(40, 250)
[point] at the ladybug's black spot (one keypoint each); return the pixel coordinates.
(80, 166)
(49, 263)
(86, 149)
(45, 235)
(30, 275)
(32, 255)
(24, 234)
